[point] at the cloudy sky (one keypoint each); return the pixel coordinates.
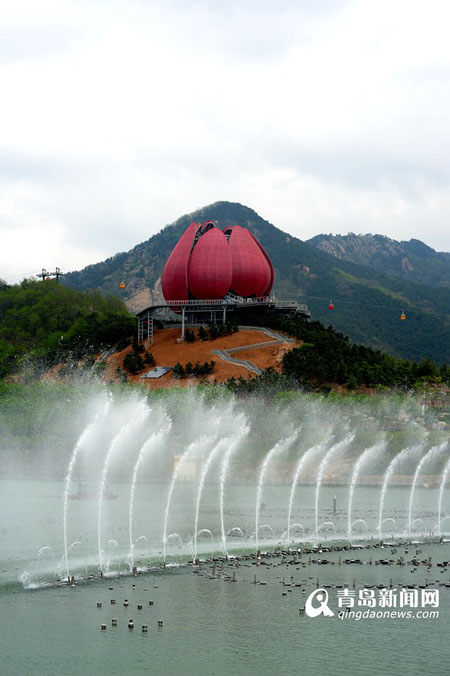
(118, 116)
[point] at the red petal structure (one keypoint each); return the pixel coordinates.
(174, 277)
(252, 273)
(208, 263)
(207, 225)
(209, 270)
(269, 262)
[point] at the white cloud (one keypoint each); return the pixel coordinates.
(119, 117)
(30, 239)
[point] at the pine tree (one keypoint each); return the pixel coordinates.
(178, 371)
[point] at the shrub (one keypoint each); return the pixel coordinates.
(213, 332)
(189, 336)
(149, 359)
(133, 363)
(123, 343)
(202, 333)
(178, 370)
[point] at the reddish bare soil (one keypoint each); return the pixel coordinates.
(167, 352)
(271, 355)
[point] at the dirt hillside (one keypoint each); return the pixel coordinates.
(167, 352)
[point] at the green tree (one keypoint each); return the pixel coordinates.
(213, 332)
(189, 336)
(178, 371)
(133, 363)
(149, 359)
(202, 333)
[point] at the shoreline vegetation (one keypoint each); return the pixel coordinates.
(33, 410)
(41, 423)
(44, 324)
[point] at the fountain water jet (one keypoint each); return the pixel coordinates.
(390, 519)
(112, 543)
(60, 564)
(206, 531)
(236, 529)
(149, 447)
(434, 450)
(118, 440)
(361, 521)
(141, 507)
(388, 474)
(446, 518)
(304, 458)
(379, 447)
(79, 445)
(213, 453)
(279, 447)
(223, 475)
(327, 525)
(199, 445)
(335, 450)
(145, 539)
(299, 525)
(444, 478)
(45, 548)
(267, 526)
(419, 520)
(175, 535)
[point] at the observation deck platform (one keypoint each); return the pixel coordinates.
(210, 311)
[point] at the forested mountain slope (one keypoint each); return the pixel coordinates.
(367, 302)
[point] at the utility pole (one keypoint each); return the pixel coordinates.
(46, 275)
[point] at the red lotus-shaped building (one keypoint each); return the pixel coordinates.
(208, 263)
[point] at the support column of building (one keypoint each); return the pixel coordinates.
(182, 321)
(150, 328)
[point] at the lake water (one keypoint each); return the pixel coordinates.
(216, 620)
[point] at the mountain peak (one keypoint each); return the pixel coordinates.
(412, 260)
(351, 269)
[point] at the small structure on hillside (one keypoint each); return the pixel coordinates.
(157, 372)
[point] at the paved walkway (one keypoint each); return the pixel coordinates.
(226, 355)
